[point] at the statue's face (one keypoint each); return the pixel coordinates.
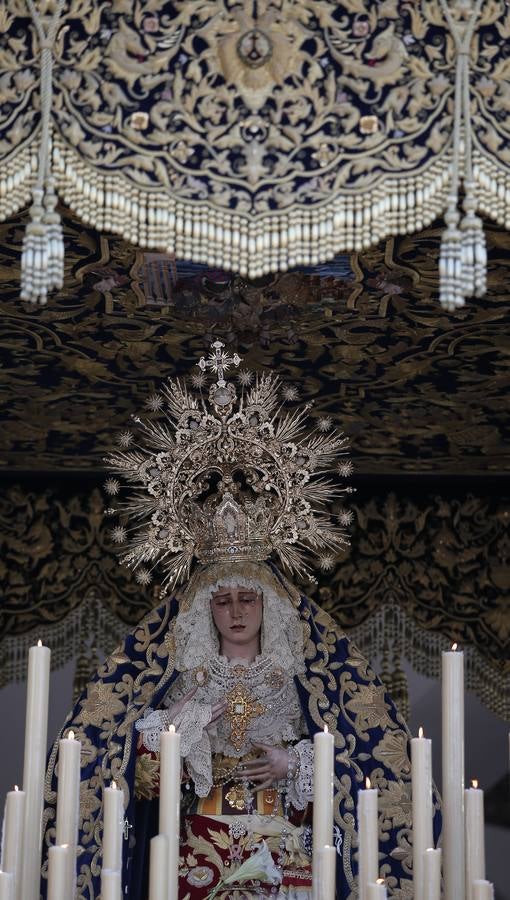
(237, 614)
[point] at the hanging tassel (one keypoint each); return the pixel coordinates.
(34, 255)
(451, 294)
(461, 261)
(55, 238)
(474, 250)
(42, 258)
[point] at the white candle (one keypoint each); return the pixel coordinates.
(483, 890)
(377, 890)
(68, 800)
(368, 840)
(12, 836)
(34, 769)
(158, 873)
(421, 780)
(475, 843)
(170, 803)
(113, 825)
(432, 874)
(453, 773)
(59, 863)
(327, 873)
(110, 885)
(6, 886)
(323, 793)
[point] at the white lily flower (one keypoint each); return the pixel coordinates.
(259, 867)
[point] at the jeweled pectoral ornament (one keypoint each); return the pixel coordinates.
(241, 709)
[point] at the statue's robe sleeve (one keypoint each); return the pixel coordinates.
(338, 688)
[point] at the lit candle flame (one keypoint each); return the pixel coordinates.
(367, 783)
(380, 881)
(114, 785)
(70, 736)
(474, 783)
(64, 846)
(420, 732)
(326, 729)
(16, 788)
(454, 647)
(39, 643)
(171, 728)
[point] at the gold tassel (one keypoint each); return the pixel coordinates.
(42, 258)
(474, 250)
(451, 294)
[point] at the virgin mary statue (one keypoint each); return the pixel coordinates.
(229, 497)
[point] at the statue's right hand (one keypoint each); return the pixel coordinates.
(176, 708)
(217, 710)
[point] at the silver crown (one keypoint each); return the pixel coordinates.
(227, 475)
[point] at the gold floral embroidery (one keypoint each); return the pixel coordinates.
(392, 751)
(100, 705)
(395, 803)
(369, 707)
(89, 801)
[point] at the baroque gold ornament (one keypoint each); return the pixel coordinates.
(223, 475)
(242, 707)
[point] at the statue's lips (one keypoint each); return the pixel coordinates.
(237, 627)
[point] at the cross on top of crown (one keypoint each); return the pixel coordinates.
(219, 361)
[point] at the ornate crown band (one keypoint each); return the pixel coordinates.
(226, 476)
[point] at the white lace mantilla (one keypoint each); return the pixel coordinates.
(267, 684)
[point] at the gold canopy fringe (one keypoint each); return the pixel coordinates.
(197, 231)
(391, 635)
(89, 631)
(17, 178)
(272, 243)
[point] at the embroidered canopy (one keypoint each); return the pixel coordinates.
(255, 136)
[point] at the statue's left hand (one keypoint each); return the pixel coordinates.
(267, 769)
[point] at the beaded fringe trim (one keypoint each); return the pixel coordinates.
(273, 243)
(422, 649)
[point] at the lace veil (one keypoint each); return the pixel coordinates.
(196, 638)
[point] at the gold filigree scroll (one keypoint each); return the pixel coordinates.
(422, 571)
